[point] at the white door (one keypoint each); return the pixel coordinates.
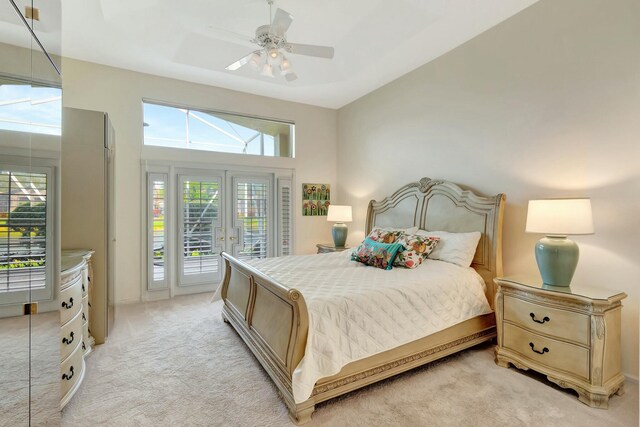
(201, 211)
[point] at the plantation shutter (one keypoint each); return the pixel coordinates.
(285, 231)
(157, 230)
(23, 230)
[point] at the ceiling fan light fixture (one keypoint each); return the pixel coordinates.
(285, 66)
(267, 70)
(272, 43)
(256, 60)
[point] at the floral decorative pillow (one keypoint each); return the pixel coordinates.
(416, 250)
(376, 254)
(389, 235)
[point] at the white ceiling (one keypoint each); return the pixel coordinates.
(375, 41)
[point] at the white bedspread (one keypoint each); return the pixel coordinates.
(357, 311)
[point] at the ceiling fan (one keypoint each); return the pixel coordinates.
(272, 40)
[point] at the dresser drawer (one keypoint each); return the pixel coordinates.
(70, 336)
(551, 321)
(70, 301)
(549, 352)
(71, 371)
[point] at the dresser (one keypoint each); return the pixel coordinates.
(570, 334)
(75, 338)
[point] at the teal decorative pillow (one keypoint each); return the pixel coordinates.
(376, 254)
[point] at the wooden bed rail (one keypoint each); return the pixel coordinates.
(271, 318)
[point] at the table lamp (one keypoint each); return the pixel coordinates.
(556, 255)
(339, 215)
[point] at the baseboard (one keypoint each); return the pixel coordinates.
(631, 378)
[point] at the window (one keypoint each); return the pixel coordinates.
(26, 108)
(176, 127)
(25, 235)
(157, 222)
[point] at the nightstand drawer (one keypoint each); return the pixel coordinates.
(547, 352)
(551, 321)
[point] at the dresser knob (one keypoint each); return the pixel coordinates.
(67, 305)
(544, 319)
(68, 376)
(69, 340)
(544, 350)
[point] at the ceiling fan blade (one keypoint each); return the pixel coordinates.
(281, 22)
(290, 77)
(241, 62)
(230, 36)
(310, 50)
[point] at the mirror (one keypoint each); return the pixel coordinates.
(30, 128)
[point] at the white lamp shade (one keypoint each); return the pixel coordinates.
(338, 213)
(560, 217)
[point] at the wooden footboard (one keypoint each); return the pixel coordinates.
(272, 320)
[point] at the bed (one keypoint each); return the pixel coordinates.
(273, 317)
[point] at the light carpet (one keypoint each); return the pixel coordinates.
(175, 363)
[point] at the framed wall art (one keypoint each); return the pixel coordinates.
(316, 199)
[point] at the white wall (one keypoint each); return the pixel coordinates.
(546, 104)
(119, 93)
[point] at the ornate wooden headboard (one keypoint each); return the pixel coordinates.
(438, 205)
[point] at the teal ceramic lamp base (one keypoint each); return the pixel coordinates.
(339, 233)
(557, 258)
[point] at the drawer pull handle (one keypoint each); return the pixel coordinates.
(84, 347)
(83, 288)
(69, 340)
(84, 318)
(69, 376)
(544, 319)
(67, 305)
(544, 350)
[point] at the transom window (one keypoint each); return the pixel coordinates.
(181, 127)
(29, 108)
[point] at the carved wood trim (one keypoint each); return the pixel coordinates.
(396, 363)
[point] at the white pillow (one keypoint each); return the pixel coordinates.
(456, 248)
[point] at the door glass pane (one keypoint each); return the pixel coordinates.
(252, 216)
(23, 229)
(201, 203)
(158, 228)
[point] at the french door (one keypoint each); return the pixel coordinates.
(221, 211)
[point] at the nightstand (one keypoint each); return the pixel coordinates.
(324, 248)
(570, 334)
